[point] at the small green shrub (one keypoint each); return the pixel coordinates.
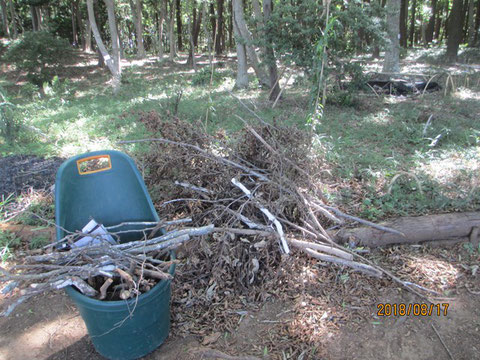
(9, 127)
(39, 54)
(39, 242)
(8, 241)
(203, 76)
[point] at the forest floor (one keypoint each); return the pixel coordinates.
(431, 139)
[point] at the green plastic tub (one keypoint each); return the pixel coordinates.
(106, 186)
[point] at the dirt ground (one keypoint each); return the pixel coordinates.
(49, 327)
(21, 172)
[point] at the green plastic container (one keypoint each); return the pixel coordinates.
(112, 194)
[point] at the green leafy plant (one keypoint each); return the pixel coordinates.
(8, 241)
(8, 126)
(203, 76)
(39, 241)
(39, 54)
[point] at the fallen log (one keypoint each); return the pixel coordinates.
(444, 228)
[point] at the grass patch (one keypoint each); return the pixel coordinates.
(8, 241)
(365, 144)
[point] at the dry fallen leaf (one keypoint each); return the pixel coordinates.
(210, 339)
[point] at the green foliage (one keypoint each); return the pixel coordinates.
(39, 241)
(203, 76)
(8, 241)
(9, 127)
(39, 54)
(4, 201)
(295, 27)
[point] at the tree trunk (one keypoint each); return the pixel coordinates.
(5, 24)
(38, 11)
(171, 32)
(421, 229)
(269, 53)
(191, 53)
(33, 14)
(213, 21)
(161, 20)
(87, 42)
(471, 23)
(13, 15)
(245, 36)
(74, 24)
(403, 23)
(392, 52)
(455, 31)
(230, 25)
(197, 23)
(477, 25)
(412, 22)
(438, 21)
(207, 35)
(220, 39)
(179, 25)
(257, 13)
(431, 23)
(113, 62)
(242, 75)
(136, 7)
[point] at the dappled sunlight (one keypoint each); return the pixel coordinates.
(453, 169)
(466, 94)
(431, 272)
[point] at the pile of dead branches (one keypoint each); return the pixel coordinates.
(101, 270)
(263, 191)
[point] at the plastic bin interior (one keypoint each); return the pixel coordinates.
(111, 194)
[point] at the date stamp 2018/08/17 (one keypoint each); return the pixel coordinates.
(414, 309)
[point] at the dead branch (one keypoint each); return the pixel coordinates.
(324, 248)
(366, 269)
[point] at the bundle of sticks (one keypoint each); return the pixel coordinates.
(104, 271)
(260, 188)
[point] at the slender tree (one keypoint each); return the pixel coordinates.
(13, 15)
(471, 23)
(431, 23)
(113, 61)
(403, 23)
(269, 53)
(5, 24)
(161, 20)
(391, 63)
(412, 22)
(242, 75)
(171, 31)
(179, 24)
(477, 25)
(136, 6)
(220, 38)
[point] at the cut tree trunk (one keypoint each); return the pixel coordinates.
(445, 228)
